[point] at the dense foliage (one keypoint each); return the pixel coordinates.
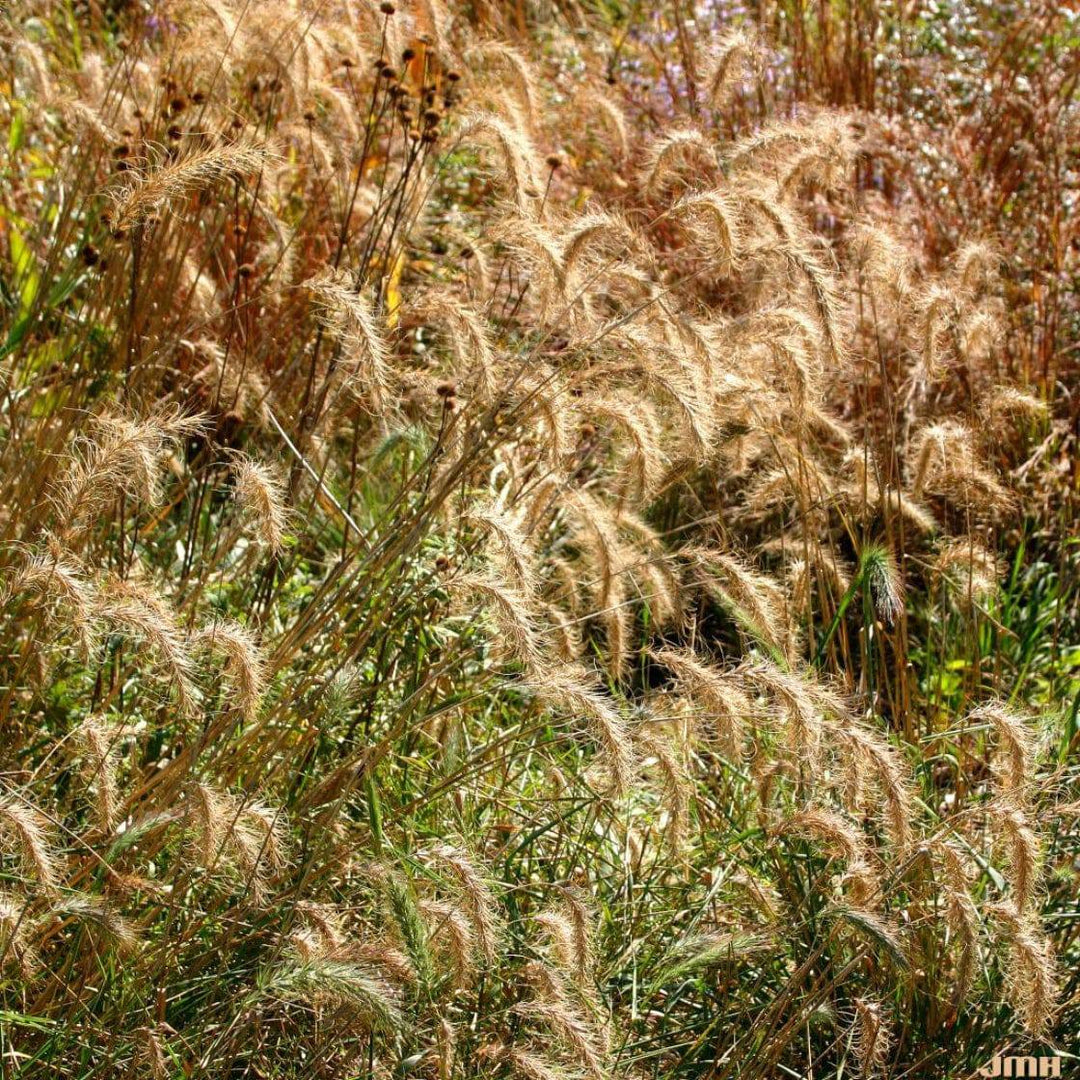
(536, 539)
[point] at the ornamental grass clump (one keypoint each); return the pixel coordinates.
(500, 564)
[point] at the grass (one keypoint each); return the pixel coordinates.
(534, 547)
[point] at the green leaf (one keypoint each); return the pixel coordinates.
(374, 812)
(17, 130)
(26, 275)
(41, 1023)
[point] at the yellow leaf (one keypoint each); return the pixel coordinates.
(393, 290)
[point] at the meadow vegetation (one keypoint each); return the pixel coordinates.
(535, 539)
